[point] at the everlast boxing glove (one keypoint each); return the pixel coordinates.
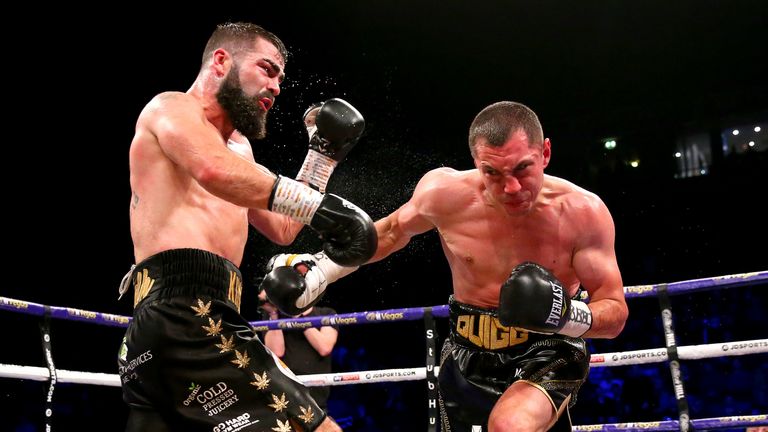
(334, 126)
(532, 298)
(348, 234)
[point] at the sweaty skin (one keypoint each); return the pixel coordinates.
(488, 223)
(494, 217)
(500, 214)
(194, 180)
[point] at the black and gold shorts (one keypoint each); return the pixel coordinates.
(482, 358)
(191, 362)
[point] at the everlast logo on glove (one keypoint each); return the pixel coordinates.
(556, 313)
(534, 299)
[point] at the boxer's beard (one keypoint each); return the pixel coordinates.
(244, 112)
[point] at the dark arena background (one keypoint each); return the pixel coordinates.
(641, 99)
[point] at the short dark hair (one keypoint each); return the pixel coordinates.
(235, 37)
(497, 121)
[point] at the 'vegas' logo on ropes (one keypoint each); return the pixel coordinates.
(588, 428)
(16, 304)
(294, 325)
(326, 321)
(638, 425)
(384, 316)
(639, 289)
(115, 318)
(81, 313)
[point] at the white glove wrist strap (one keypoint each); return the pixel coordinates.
(579, 320)
(295, 200)
(317, 169)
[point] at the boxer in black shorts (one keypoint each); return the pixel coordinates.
(505, 214)
(191, 362)
(482, 358)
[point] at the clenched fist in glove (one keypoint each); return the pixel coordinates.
(334, 126)
(295, 282)
(348, 233)
(532, 298)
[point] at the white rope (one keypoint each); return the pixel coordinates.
(655, 355)
(42, 374)
(371, 376)
(65, 376)
(691, 352)
(712, 423)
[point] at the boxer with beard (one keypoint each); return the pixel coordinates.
(189, 360)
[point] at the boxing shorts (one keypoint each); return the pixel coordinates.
(191, 362)
(482, 358)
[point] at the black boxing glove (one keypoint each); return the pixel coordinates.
(334, 126)
(348, 233)
(295, 282)
(284, 287)
(532, 298)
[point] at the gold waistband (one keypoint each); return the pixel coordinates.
(143, 283)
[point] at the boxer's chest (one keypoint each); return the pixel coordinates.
(489, 248)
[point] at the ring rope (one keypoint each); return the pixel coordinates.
(671, 353)
(35, 373)
(695, 285)
(407, 314)
(391, 375)
(674, 425)
(655, 355)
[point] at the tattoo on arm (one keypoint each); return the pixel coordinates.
(134, 201)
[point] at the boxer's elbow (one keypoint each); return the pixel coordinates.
(284, 239)
(614, 331)
(289, 230)
(608, 319)
(619, 319)
(208, 174)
